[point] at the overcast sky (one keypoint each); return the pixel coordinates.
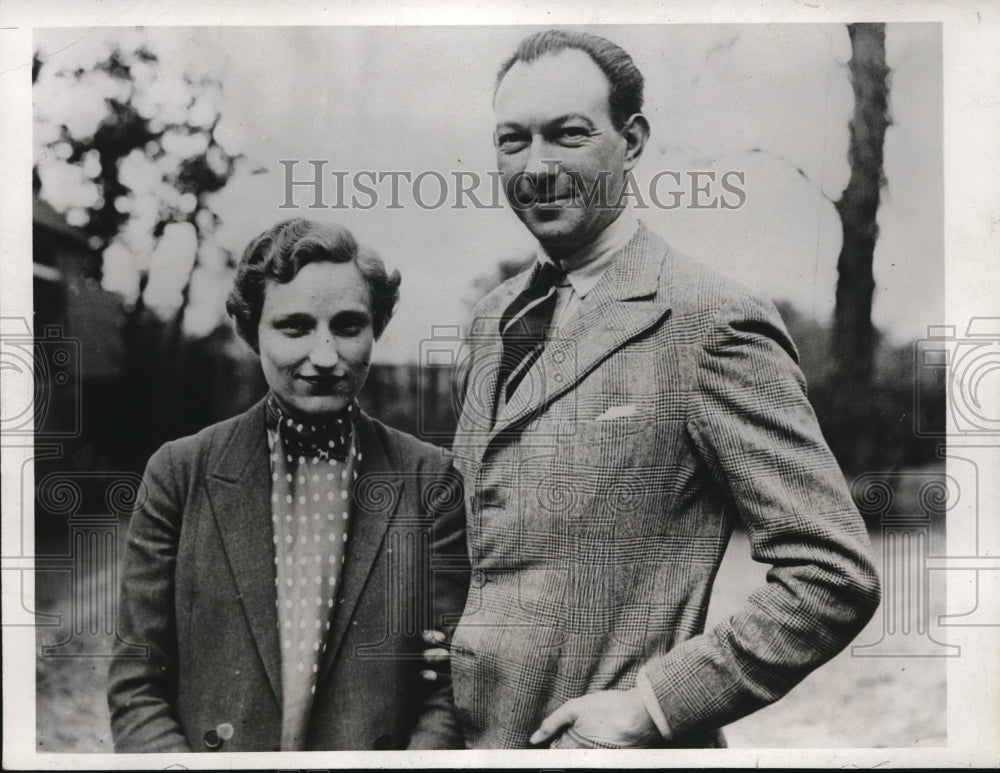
(764, 101)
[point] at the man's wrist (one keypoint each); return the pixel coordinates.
(653, 708)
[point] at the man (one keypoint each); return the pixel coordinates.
(623, 408)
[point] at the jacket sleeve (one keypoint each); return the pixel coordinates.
(753, 427)
(142, 690)
(437, 726)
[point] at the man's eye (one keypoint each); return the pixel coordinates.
(573, 133)
(511, 142)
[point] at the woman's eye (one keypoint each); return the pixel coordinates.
(293, 327)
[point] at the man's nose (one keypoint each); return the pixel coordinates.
(539, 163)
(324, 354)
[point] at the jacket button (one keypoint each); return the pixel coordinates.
(478, 579)
(225, 731)
(212, 740)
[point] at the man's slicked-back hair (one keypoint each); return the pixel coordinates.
(624, 77)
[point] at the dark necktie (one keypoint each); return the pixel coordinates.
(523, 324)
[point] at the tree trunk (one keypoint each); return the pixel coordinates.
(854, 336)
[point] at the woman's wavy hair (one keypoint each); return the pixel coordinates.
(280, 253)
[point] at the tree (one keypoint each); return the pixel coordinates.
(854, 336)
(128, 149)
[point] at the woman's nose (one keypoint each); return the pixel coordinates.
(324, 353)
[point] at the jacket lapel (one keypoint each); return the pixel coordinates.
(477, 372)
(623, 304)
(376, 497)
(239, 489)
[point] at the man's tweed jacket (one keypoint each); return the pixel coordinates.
(198, 590)
(599, 505)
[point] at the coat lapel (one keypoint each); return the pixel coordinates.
(376, 497)
(239, 488)
(623, 304)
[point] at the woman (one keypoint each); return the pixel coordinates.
(275, 570)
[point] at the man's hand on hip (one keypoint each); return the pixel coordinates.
(612, 717)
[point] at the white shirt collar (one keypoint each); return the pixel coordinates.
(585, 267)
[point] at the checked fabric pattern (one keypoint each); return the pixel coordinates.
(599, 510)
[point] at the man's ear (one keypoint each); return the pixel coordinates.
(636, 132)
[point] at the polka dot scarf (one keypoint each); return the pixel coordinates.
(313, 469)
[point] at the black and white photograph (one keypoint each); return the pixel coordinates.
(478, 388)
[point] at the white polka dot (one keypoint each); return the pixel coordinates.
(315, 477)
(329, 476)
(288, 539)
(288, 498)
(289, 457)
(288, 604)
(315, 668)
(302, 500)
(332, 536)
(275, 539)
(288, 560)
(343, 474)
(315, 497)
(288, 518)
(345, 536)
(288, 477)
(302, 645)
(343, 495)
(329, 516)
(274, 497)
(329, 495)
(288, 644)
(274, 476)
(313, 689)
(329, 603)
(290, 582)
(301, 667)
(302, 479)
(302, 460)
(344, 516)
(332, 581)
